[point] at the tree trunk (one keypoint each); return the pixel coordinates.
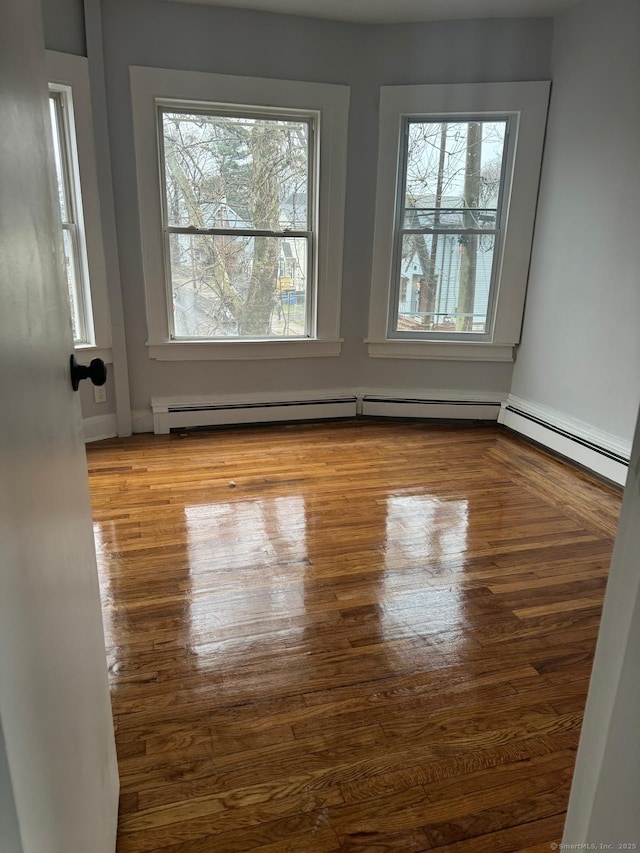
(429, 288)
(255, 315)
(469, 242)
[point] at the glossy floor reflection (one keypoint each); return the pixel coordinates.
(354, 636)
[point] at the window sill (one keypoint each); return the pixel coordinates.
(85, 352)
(242, 350)
(440, 350)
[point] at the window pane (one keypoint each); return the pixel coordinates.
(231, 287)
(69, 199)
(70, 256)
(59, 155)
(236, 171)
(453, 175)
(445, 281)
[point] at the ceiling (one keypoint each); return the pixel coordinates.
(401, 11)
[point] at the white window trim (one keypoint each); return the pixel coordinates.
(67, 71)
(527, 102)
(149, 85)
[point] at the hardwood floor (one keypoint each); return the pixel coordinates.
(347, 637)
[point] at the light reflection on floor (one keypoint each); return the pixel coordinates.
(227, 543)
(104, 579)
(422, 529)
(247, 561)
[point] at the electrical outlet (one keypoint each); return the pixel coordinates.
(100, 393)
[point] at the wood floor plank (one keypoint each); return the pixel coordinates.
(379, 639)
(494, 813)
(458, 766)
(411, 841)
(522, 837)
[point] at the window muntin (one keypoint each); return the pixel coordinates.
(450, 219)
(238, 222)
(70, 201)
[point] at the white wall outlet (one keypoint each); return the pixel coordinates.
(100, 393)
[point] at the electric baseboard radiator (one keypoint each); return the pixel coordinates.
(180, 415)
(430, 409)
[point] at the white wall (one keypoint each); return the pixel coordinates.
(195, 37)
(580, 352)
(63, 24)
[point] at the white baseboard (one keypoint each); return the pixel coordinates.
(430, 405)
(188, 412)
(100, 427)
(141, 421)
(599, 451)
(184, 412)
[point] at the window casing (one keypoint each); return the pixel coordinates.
(76, 169)
(487, 327)
(325, 108)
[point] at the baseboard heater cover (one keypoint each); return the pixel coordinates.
(184, 416)
(430, 409)
(602, 460)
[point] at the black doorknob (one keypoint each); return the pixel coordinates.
(96, 371)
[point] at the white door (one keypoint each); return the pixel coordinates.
(58, 771)
(604, 808)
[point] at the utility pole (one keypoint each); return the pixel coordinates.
(469, 242)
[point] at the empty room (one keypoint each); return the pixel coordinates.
(321, 372)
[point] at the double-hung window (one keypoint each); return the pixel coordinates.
(238, 222)
(450, 222)
(458, 171)
(79, 202)
(241, 185)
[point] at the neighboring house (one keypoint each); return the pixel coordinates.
(448, 266)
